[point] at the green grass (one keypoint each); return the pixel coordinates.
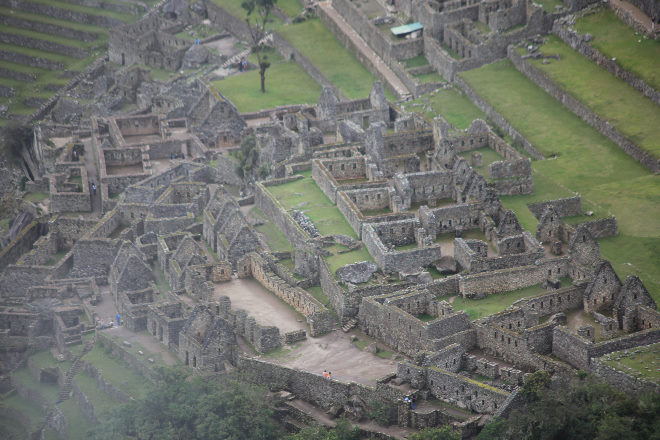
(488, 156)
(305, 195)
(32, 411)
(641, 362)
(51, 20)
(286, 83)
(290, 7)
(425, 317)
(126, 18)
(614, 39)
(275, 239)
(495, 303)
(418, 61)
(53, 260)
(101, 401)
(432, 77)
(35, 197)
(549, 5)
(451, 104)
(327, 54)
(630, 112)
(118, 373)
(77, 424)
(586, 162)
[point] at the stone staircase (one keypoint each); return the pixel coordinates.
(65, 391)
(350, 324)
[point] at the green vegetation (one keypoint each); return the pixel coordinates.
(488, 156)
(35, 197)
(432, 77)
(583, 161)
(614, 39)
(342, 431)
(418, 61)
(274, 238)
(52, 261)
(288, 83)
(630, 112)
(641, 362)
(31, 411)
(443, 433)
(339, 65)
(585, 409)
(290, 7)
(451, 104)
(201, 408)
(119, 374)
(497, 302)
(549, 5)
(303, 194)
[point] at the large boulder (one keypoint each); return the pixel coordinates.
(195, 57)
(356, 273)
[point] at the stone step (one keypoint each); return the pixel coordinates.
(349, 325)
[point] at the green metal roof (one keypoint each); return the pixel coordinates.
(407, 28)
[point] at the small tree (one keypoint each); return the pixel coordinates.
(263, 9)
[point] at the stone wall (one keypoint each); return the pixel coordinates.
(262, 338)
(504, 280)
(578, 43)
(312, 388)
(563, 207)
(620, 380)
(474, 262)
(497, 119)
(276, 212)
(21, 244)
(61, 13)
(453, 388)
(584, 112)
(318, 316)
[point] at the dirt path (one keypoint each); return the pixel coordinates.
(366, 51)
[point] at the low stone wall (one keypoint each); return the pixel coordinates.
(620, 380)
(273, 210)
(62, 14)
(136, 363)
(584, 112)
(577, 42)
(563, 207)
(48, 28)
(510, 279)
(318, 316)
(603, 227)
(20, 245)
(262, 338)
(312, 388)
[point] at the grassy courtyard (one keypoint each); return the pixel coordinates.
(642, 362)
(306, 196)
(451, 104)
(583, 161)
(614, 39)
(479, 308)
(286, 83)
(630, 112)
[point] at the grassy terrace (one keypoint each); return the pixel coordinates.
(451, 104)
(583, 161)
(630, 112)
(275, 239)
(614, 39)
(306, 196)
(286, 83)
(479, 308)
(641, 362)
(53, 79)
(549, 5)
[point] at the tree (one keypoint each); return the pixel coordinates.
(16, 138)
(263, 8)
(342, 431)
(203, 408)
(443, 433)
(247, 156)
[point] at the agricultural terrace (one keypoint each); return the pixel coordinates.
(641, 362)
(450, 103)
(579, 160)
(630, 112)
(304, 195)
(74, 46)
(480, 308)
(638, 55)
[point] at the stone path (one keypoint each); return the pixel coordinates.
(92, 176)
(366, 51)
